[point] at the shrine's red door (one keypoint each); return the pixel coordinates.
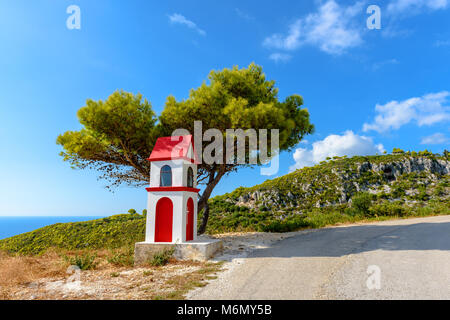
(164, 220)
(190, 220)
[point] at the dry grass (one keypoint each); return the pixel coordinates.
(45, 277)
(22, 270)
(18, 271)
(181, 284)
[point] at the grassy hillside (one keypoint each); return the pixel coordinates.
(107, 233)
(337, 190)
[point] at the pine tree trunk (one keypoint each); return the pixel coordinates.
(214, 179)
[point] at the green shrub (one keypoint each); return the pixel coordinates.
(397, 151)
(445, 183)
(287, 225)
(85, 262)
(122, 258)
(398, 192)
(433, 208)
(439, 191)
(361, 202)
(422, 195)
(161, 258)
(388, 209)
(425, 153)
(320, 220)
(351, 211)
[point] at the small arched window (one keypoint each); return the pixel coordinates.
(165, 179)
(190, 178)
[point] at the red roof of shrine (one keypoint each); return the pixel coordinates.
(174, 147)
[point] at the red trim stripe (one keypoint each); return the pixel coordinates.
(165, 189)
(173, 158)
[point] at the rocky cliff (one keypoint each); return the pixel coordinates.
(400, 177)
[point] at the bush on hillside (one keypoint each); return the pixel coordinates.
(361, 202)
(85, 261)
(388, 209)
(161, 258)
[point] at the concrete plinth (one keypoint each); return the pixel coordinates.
(199, 250)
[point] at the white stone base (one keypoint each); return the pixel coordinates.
(199, 250)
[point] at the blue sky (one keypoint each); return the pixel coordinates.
(366, 90)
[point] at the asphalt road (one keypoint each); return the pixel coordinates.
(402, 259)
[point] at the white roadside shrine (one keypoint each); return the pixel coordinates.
(172, 203)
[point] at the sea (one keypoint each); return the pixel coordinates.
(11, 226)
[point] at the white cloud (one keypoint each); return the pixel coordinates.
(378, 65)
(180, 19)
(442, 43)
(398, 9)
(426, 110)
(280, 57)
(393, 30)
(243, 15)
(348, 144)
(437, 138)
(333, 28)
(414, 6)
